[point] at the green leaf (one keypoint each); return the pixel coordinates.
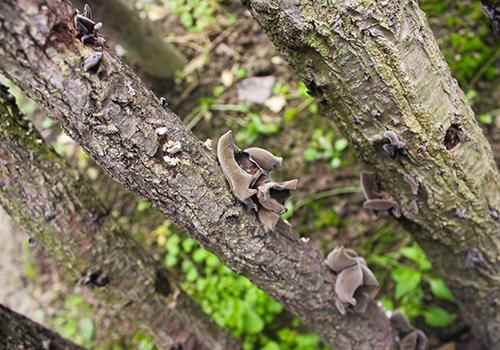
(407, 280)
(192, 275)
(439, 288)
(188, 245)
(143, 205)
(335, 163)
(438, 317)
(87, 329)
(311, 154)
(341, 144)
(170, 260)
(200, 255)
(253, 323)
(486, 118)
(271, 346)
(415, 253)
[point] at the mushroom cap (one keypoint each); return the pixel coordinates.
(239, 180)
(348, 281)
(341, 258)
(265, 159)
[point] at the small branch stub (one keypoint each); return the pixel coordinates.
(248, 174)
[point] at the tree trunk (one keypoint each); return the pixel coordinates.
(44, 196)
(375, 66)
(19, 332)
(116, 119)
(142, 40)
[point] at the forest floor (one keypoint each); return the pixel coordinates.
(236, 80)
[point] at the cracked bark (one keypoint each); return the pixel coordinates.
(115, 118)
(375, 66)
(19, 332)
(43, 195)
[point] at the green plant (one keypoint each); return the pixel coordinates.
(253, 128)
(195, 15)
(230, 299)
(410, 272)
(75, 321)
(323, 147)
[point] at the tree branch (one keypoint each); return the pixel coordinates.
(375, 66)
(116, 120)
(42, 194)
(19, 332)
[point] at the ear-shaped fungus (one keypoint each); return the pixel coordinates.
(265, 159)
(410, 338)
(374, 198)
(239, 180)
(355, 282)
(248, 175)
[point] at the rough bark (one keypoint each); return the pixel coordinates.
(19, 332)
(142, 40)
(115, 119)
(375, 66)
(492, 10)
(43, 195)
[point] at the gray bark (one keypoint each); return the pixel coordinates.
(43, 195)
(19, 332)
(375, 66)
(115, 119)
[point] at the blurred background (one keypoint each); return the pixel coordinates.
(218, 71)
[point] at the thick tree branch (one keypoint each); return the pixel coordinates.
(375, 66)
(19, 332)
(116, 120)
(44, 196)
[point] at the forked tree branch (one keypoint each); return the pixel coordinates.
(118, 121)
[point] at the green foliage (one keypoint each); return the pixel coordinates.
(230, 299)
(467, 41)
(323, 147)
(195, 15)
(411, 274)
(253, 128)
(75, 321)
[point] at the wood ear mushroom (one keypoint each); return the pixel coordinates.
(355, 283)
(409, 338)
(375, 199)
(248, 175)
